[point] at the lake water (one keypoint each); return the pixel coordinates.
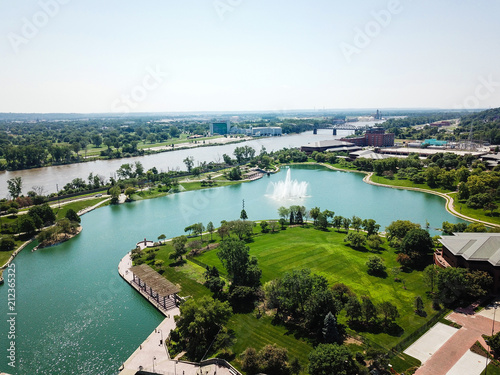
(75, 315)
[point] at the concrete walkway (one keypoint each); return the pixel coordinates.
(454, 349)
(152, 355)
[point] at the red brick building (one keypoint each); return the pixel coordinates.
(376, 137)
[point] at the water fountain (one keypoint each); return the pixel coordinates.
(289, 189)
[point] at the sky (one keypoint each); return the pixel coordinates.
(89, 56)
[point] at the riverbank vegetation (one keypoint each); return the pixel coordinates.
(308, 284)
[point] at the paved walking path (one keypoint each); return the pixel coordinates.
(453, 350)
(152, 355)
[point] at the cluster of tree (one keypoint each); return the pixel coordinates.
(412, 243)
(480, 189)
(61, 230)
(322, 157)
(243, 273)
(458, 286)
(28, 145)
(450, 228)
(271, 359)
(485, 125)
(292, 155)
(201, 322)
(294, 214)
(304, 299)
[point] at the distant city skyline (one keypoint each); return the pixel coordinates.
(68, 56)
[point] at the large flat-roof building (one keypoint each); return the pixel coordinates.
(376, 137)
(271, 131)
(221, 128)
(474, 251)
(330, 146)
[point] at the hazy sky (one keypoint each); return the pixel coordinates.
(201, 55)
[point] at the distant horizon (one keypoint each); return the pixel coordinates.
(303, 110)
(95, 57)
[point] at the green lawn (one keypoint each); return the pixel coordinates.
(325, 253)
(77, 206)
(491, 370)
(478, 214)
(404, 183)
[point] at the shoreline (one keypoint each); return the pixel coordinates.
(155, 344)
(449, 205)
(147, 151)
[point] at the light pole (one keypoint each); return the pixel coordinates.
(492, 333)
(154, 359)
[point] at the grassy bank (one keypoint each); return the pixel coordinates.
(325, 253)
(478, 214)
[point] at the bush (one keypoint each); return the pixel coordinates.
(7, 243)
(376, 266)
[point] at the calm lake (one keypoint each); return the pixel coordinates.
(75, 315)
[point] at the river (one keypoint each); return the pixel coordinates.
(49, 177)
(75, 315)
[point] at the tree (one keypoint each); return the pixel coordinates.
(368, 310)
(274, 360)
(417, 244)
(494, 342)
(273, 225)
(234, 174)
(283, 212)
(353, 308)
(371, 227)
(346, 222)
(330, 330)
(356, 239)
(337, 222)
(264, 226)
(430, 276)
(389, 311)
(71, 215)
(7, 243)
(328, 359)
(15, 186)
(159, 263)
(161, 237)
(223, 231)
(419, 304)
(210, 229)
(251, 361)
(397, 230)
(243, 215)
(356, 223)
(241, 268)
(199, 322)
(374, 241)
(179, 245)
(314, 212)
(321, 222)
(115, 192)
(189, 162)
(26, 224)
(376, 266)
(129, 191)
(241, 228)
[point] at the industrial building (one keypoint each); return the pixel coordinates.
(271, 131)
(330, 146)
(376, 137)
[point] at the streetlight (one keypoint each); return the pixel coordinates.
(154, 359)
(492, 333)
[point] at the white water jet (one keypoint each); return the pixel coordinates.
(289, 189)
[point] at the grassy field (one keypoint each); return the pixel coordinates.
(326, 254)
(478, 214)
(77, 206)
(404, 183)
